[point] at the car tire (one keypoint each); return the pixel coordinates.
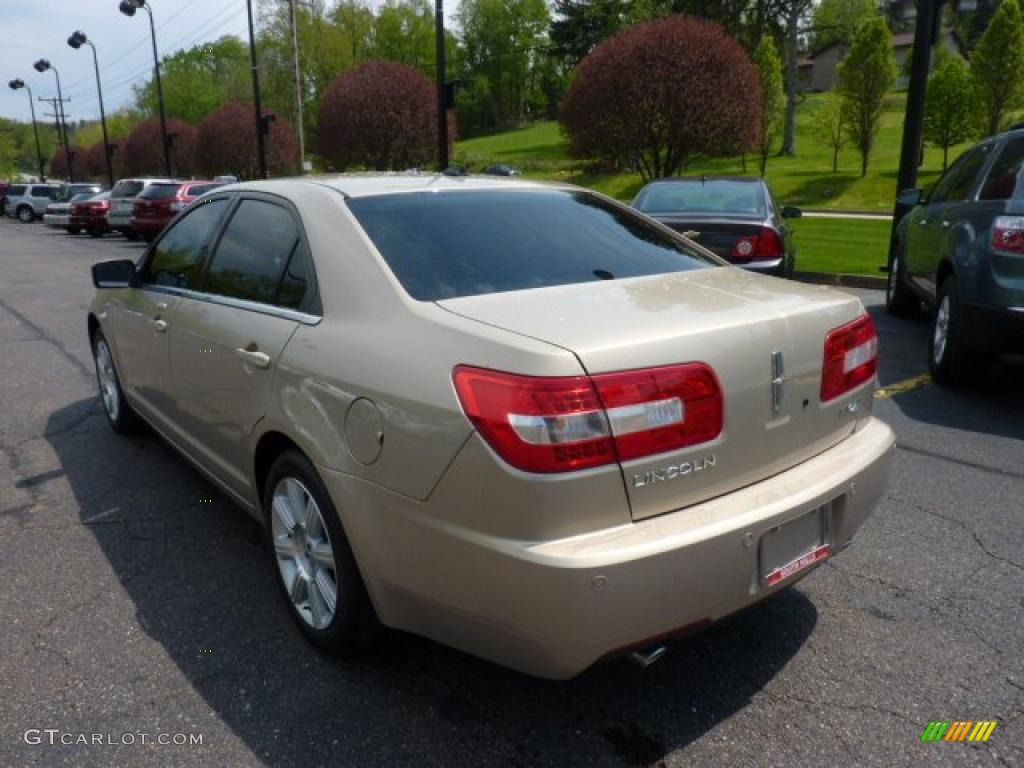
(131, 234)
(949, 359)
(73, 230)
(120, 416)
(25, 214)
(900, 301)
(313, 561)
(96, 232)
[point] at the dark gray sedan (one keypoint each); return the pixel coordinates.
(960, 250)
(736, 217)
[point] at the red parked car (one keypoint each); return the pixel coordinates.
(158, 203)
(91, 215)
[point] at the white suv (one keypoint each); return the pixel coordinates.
(27, 202)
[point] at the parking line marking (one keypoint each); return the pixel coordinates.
(883, 393)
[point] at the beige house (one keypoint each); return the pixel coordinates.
(819, 70)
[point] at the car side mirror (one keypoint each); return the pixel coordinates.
(910, 197)
(118, 273)
(791, 212)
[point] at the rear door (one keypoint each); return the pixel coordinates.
(227, 339)
(142, 318)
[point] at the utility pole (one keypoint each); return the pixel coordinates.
(442, 89)
(261, 123)
(926, 34)
(299, 129)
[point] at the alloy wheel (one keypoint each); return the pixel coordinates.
(304, 553)
(107, 380)
(941, 332)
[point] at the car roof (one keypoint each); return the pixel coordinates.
(366, 185)
(744, 179)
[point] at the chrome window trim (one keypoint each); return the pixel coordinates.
(229, 301)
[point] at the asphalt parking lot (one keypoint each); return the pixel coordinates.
(135, 599)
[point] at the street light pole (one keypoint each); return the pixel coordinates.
(15, 85)
(261, 125)
(299, 129)
(442, 88)
(128, 8)
(41, 66)
(76, 41)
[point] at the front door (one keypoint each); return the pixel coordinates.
(226, 343)
(142, 319)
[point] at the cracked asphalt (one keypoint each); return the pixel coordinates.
(130, 605)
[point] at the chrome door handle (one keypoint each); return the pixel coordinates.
(253, 358)
(160, 325)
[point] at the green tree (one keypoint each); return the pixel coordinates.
(997, 68)
(773, 97)
(949, 117)
(864, 77)
(827, 126)
(505, 40)
(198, 80)
(579, 25)
(837, 21)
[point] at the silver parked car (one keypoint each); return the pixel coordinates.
(27, 202)
(58, 213)
(523, 420)
(122, 204)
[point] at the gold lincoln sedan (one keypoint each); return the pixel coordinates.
(521, 419)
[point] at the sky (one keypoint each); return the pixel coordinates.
(33, 29)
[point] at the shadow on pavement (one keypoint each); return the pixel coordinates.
(194, 566)
(992, 404)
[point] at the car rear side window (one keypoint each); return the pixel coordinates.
(159, 191)
(127, 188)
(956, 186)
(48, 192)
(177, 257)
(1002, 179)
(253, 259)
(469, 242)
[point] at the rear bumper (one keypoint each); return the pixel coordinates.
(1000, 329)
(149, 226)
(56, 219)
(120, 220)
(89, 222)
(553, 608)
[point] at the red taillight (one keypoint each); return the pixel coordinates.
(851, 357)
(570, 423)
(1008, 234)
(765, 245)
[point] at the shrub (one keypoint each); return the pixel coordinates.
(227, 143)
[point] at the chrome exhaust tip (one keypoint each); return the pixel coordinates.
(648, 656)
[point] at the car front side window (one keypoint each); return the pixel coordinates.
(260, 257)
(177, 258)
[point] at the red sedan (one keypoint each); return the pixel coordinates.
(158, 203)
(91, 215)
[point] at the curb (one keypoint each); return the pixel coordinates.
(847, 281)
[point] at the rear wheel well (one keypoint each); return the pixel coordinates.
(94, 325)
(270, 446)
(945, 270)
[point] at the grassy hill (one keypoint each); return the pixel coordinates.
(805, 180)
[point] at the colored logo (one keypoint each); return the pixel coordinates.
(958, 730)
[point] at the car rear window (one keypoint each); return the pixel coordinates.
(127, 188)
(471, 242)
(703, 196)
(197, 190)
(159, 191)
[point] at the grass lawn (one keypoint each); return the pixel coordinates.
(849, 246)
(806, 179)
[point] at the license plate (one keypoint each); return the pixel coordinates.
(796, 545)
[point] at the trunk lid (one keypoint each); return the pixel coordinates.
(732, 320)
(718, 235)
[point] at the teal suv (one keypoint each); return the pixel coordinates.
(960, 250)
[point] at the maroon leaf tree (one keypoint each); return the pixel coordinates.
(380, 115)
(142, 154)
(660, 93)
(227, 143)
(59, 162)
(95, 166)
